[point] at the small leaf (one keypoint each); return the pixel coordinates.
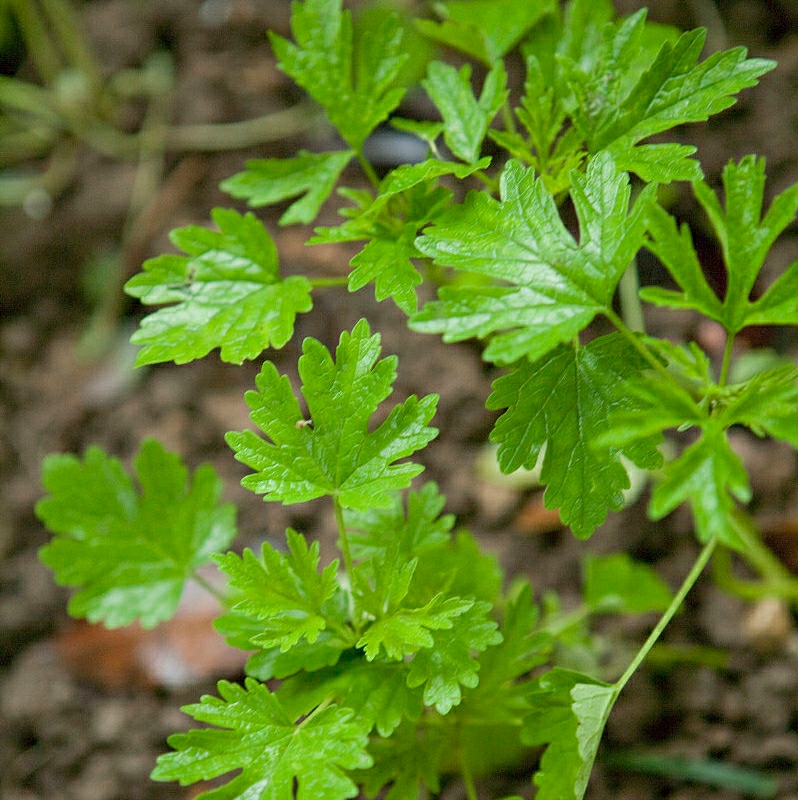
(449, 663)
(271, 180)
(227, 293)
(569, 712)
(286, 594)
(353, 78)
(130, 552)
(276, 753)
(709, 475)
(465, 118)
(408, 630)
(338, 455)
(559, 285)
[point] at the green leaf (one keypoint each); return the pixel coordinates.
(130, 552)
(378, 691)
(337, 455)
(746, 237)
(353, 78)
(635, 86)
(559, 285)
(407, 200)
(569, 712)
(276, 753)
(413, 531)
(767, 404)
(271, 180)
(241, 631)
(449, 663)
(407, 630)
(465, 118)
(409, 760)
(484, 29)
(616, 584)
(286, 594)
(709, 475)
(227, 293)
(563, 402)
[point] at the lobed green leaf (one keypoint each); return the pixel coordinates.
(563, 402)
(226, 293)
(337, 455)
(130, 552)
(271, 180)
(352, 77)
(280, 757)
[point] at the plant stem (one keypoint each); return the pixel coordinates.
(209, 587)
(320, 283)
(631, 307)
(727, 354)
(368, 169)
(678, 599)
(637, 344)
(343, 538)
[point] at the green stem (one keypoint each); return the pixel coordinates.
(342, 537)
(468, 776)
(367, 168)
(320, 283)
(637, 344)
(678, 599)
(727, 354)
(631, 307)
(209, 587)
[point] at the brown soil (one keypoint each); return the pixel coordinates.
(83, 713)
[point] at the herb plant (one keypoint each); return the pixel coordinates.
(410, 658)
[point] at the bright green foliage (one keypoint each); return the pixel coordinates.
(569, 711)
(352, 77)
(708, 475)
(618, 83)
(745, 237)
(484, 29)
(406, 659)
(407, 200)
(449, 663)
(286, 594)
(559, 285)
(130, 552)
(272, 180)
(227, 293)
(617, 584)
(411, 533)
(274, 750)
(336, 455)
(465, 118)
(562, 402)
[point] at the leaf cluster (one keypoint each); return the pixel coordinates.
(406, 657)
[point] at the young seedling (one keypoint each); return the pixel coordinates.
(409, 658)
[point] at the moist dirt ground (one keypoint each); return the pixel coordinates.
(85, 712)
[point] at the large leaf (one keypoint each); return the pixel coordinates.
(280, 757)
(563, 402)
(335, 454)
(226, 293)
(558, 285)
(746, 237)
(130, 552)
(352, 77)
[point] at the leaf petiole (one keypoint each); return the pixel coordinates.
(678, 599)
